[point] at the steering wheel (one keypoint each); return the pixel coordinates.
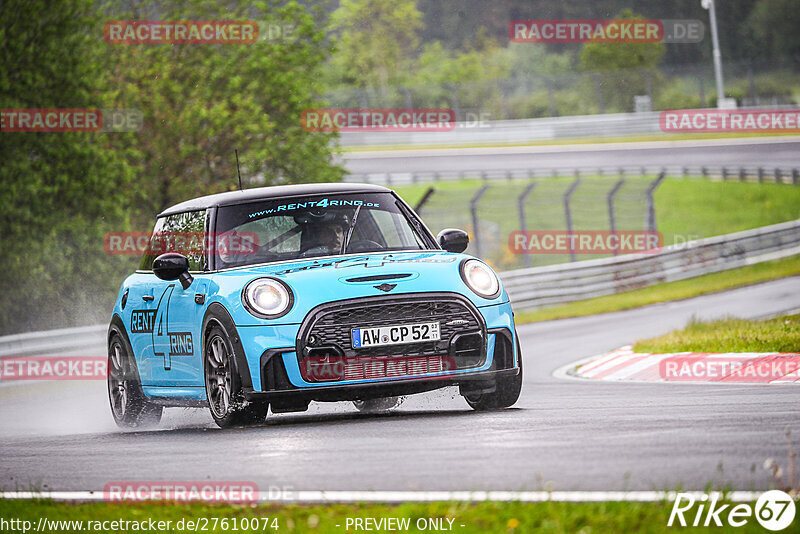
(316, 251)
(364, 245)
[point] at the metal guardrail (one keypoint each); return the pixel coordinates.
(538, 287)
(516, 131)
(542, 286)
(521, 130)
(752, 173)
(52, 341)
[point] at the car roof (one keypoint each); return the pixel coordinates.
(264, 193)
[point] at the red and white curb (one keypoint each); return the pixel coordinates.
(624, 365)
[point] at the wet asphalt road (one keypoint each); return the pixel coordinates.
(562, 434)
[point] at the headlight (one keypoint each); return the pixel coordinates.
(480, 278)
(267, 298)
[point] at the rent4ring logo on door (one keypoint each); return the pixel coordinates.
(156, 322)
(774, 510)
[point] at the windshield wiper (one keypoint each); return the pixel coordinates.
(346, 240)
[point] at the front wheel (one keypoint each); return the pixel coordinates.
(129, 406)
(506, 393)
(225, 398)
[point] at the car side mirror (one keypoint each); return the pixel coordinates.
(453, 240)
(173, 266)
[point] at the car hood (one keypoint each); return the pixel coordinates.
(324, 280)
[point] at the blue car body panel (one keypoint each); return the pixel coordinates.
(169, 353)
(164, 321)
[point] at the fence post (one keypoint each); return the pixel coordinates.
(612, 221)
(551, 99)
(742, 174)
(473, 209)
(651, 208)
(424, 198)
(795, 176)
(724, 174)
(568, 215)
(761, 175)
(778, 176)
(523, 221)
(702, 92)
(454, 99)
(601, 107)
(407, 94)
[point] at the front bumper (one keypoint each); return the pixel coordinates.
(274, 353)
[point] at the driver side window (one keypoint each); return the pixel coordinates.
(183, 233)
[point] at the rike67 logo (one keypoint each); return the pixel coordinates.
(774, 510)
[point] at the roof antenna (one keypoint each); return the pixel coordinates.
(236, 150)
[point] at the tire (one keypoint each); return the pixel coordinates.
(506, 393)
(377, 405)
(129, 405)
(226, 401)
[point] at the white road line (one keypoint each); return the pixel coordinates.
(426, 496)
(568, 371)
(610, 364)
(630, 370)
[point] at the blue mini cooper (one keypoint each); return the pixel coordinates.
(299, 293)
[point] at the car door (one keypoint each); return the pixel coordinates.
(173, 357)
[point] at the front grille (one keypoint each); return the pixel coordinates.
(463, 332)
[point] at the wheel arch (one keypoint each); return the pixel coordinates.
(116, 326)
(218, 315)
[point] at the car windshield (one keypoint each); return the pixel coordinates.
(312, 226)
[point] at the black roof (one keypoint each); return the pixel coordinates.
(262, 193)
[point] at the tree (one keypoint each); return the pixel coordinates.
(202, 101)
(624, 68)
(60, 191)
(774, 26)
(376, 40)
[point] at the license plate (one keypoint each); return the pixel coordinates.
(394, 335)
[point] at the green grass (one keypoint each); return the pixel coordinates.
(685, 208)
(780, 334)
(575, 141)
(487, 517)
(681, 289)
